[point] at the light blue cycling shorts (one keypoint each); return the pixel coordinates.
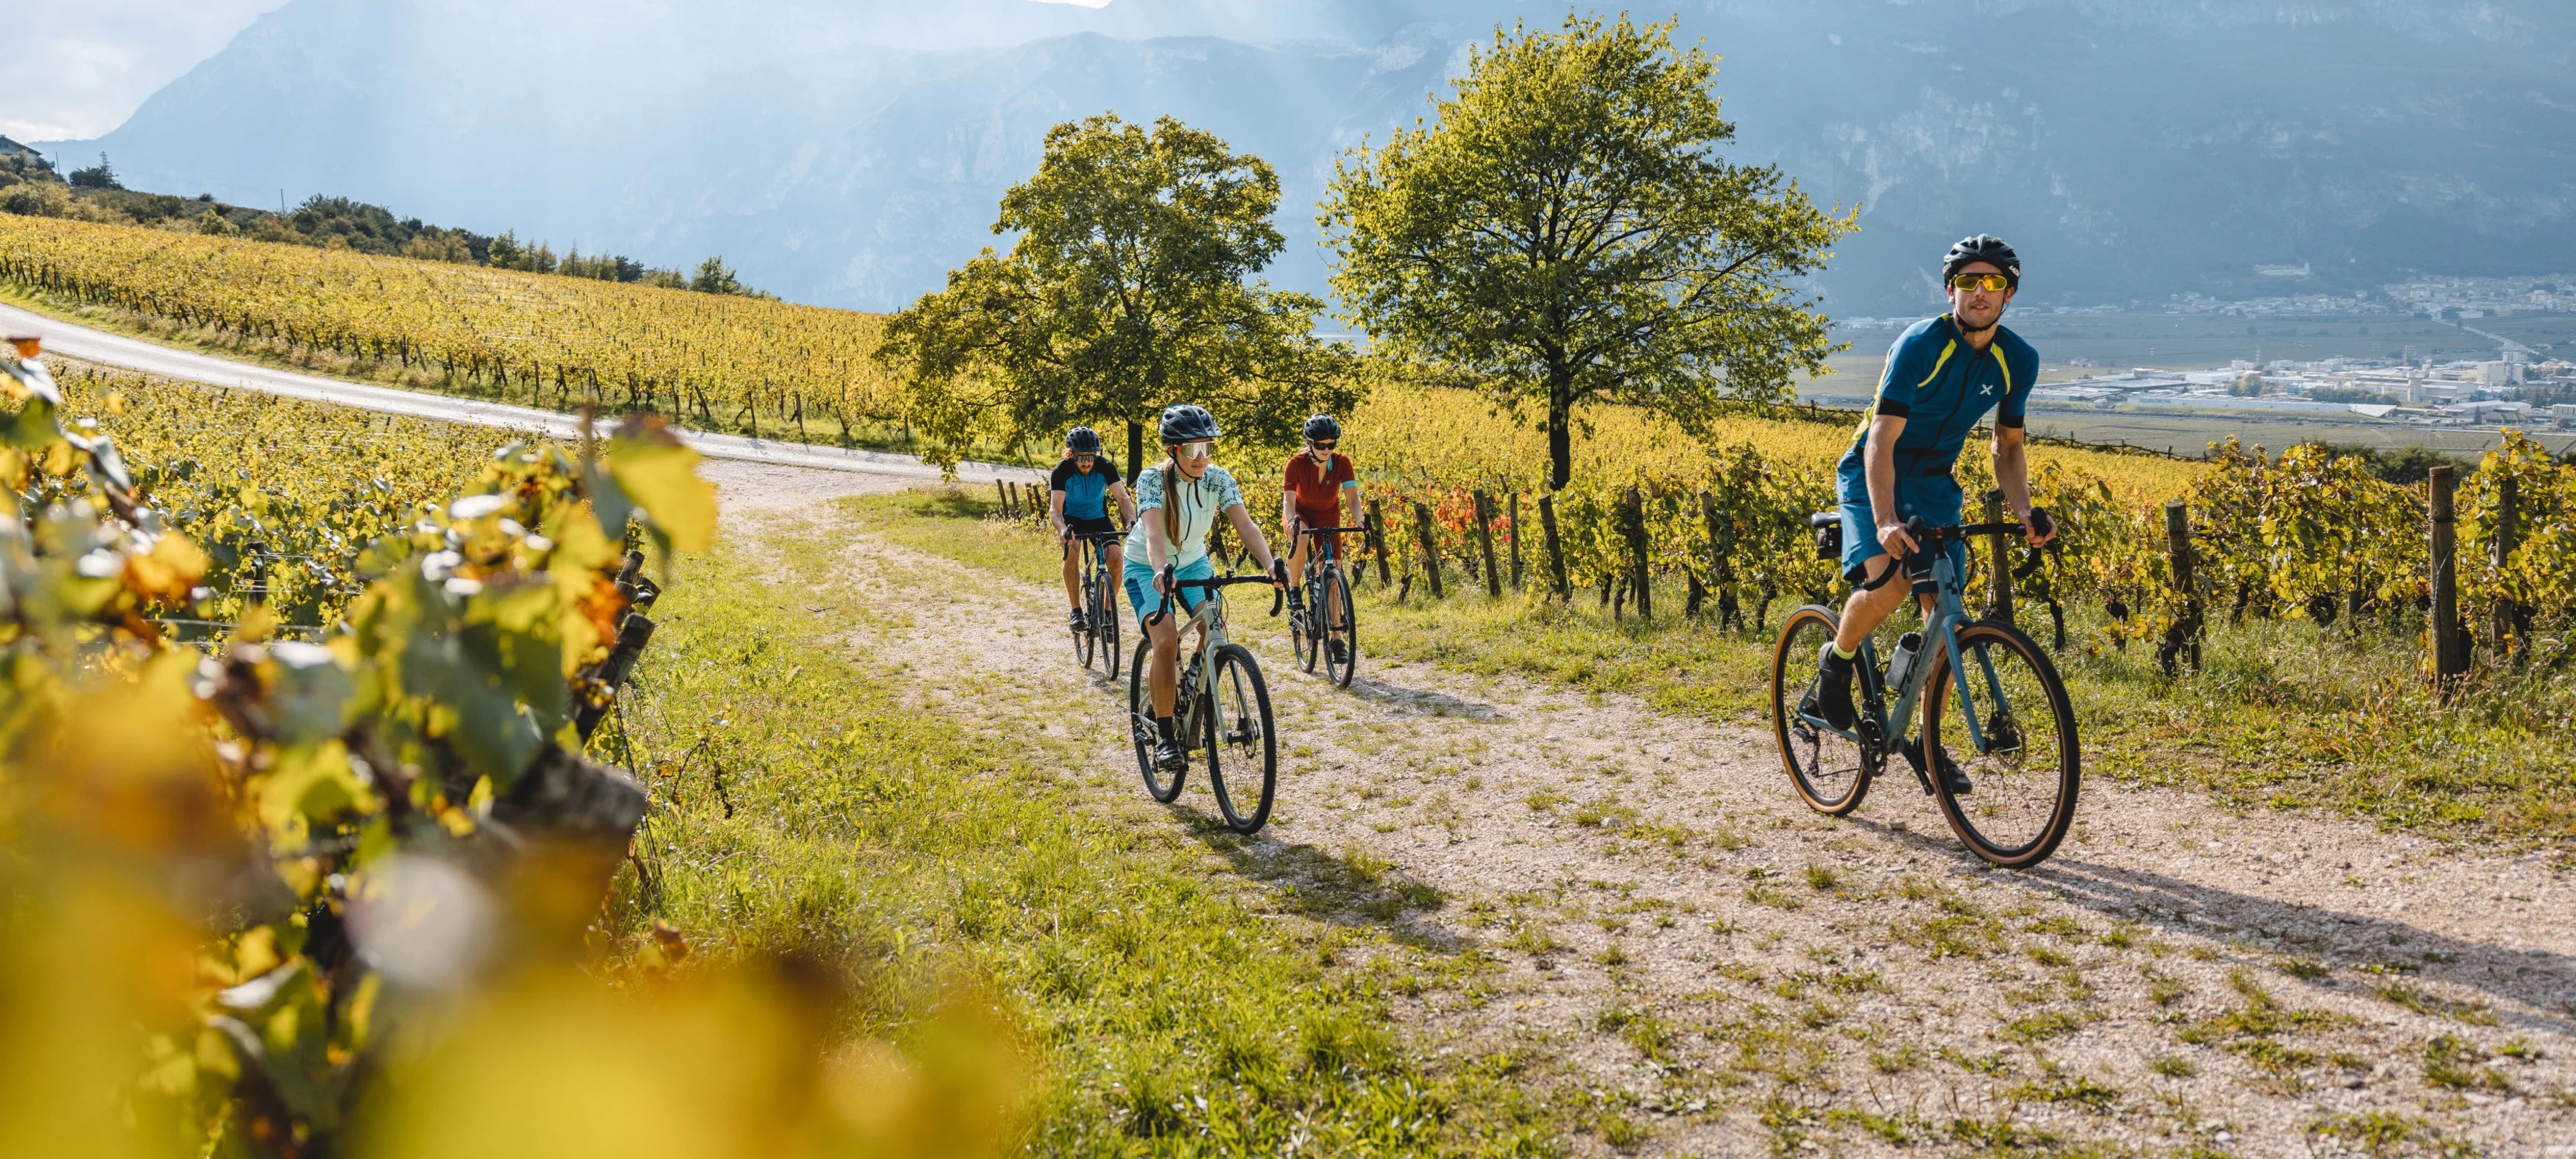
(1140, 586)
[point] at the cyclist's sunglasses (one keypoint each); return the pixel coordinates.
(1084, 457)
(1325, 445)
(1197, 450)
(1990, 283)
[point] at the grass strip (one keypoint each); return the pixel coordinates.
(816, 806)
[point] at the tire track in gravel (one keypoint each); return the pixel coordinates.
(1730, 974)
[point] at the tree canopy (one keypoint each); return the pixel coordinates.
(1131, 286)
(1566, 232)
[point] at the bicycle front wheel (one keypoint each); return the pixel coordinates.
(1828, 769)
(1140, 726)
(2020, 798)
(1242, 744)
(1104, 623)
(1305, 632)
(1341, 628)
(1087, 637)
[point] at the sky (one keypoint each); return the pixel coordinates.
(90, 63)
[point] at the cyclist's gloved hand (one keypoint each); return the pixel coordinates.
(1892, 536)
(1279, 571)
(2042, 528)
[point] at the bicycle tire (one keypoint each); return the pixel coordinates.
(1830, 771)
(1303, 646)
(1104, 623)
(1240, 732)
(1140, 726)
(2015, 815)
(1343, 627)
(1087, 636)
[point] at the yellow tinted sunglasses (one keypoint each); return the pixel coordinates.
(1990, 283)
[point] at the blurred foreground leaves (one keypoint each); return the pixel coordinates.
(289, 898)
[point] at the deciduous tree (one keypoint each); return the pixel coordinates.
(1132, 284)
(1568, 232)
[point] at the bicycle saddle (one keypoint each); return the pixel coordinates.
(1825, 519)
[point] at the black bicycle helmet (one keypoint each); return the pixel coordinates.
(1082, 441)
(1987, 248)
(1187, 423)
(1322, 427)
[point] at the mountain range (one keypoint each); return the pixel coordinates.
(850, 153)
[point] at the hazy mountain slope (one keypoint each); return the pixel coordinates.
(850, 153)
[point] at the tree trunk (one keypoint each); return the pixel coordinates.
(1560, 437)
(1135, 451)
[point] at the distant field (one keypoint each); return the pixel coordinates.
(2198, 342)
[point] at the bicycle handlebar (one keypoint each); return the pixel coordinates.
(1332, 531)
(1278, 598)
(1927, 536)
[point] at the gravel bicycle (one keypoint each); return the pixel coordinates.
(2022, 770)
(1222, 703)
(1325, 616)
(1099, 633)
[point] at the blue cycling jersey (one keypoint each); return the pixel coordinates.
(1942, 387)
(1086, 493)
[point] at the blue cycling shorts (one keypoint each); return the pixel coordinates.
(1934, 497)
(1140, 587)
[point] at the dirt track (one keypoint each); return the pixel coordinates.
(1643, 900)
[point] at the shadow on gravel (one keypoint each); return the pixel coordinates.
(1354, 889)
(2369, 953)
(2541, 985)
(1420, 703)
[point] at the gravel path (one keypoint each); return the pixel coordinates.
(71, 340)
(1721, 972)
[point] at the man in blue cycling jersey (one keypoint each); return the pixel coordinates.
(1942, 378)
(1078, 494)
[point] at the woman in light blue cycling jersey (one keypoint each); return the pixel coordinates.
(1177, 501)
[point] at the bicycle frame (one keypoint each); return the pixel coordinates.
(1941, 630)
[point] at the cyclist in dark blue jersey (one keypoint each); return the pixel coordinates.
(1942, 378)
(1078, 494)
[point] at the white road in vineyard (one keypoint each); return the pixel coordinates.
(70, 340)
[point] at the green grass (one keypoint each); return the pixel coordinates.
(815, 812)
(2281, 715)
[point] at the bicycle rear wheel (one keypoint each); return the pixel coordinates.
(1242, 744)
(1341, 626)
(2021, 799)
(1140, 726)
(1829, 770)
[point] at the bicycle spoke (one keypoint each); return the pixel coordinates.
(1830, 770)
(2021, 789)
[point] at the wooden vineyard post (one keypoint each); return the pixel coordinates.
(1516, 540)
(1002, 495)
(1721, 564)
(1430, 546)
(1485, 544)
(2002, 607)
(2508, 614)
(2450, 643)
(1640, 580)
(1377, 539)
(1555, 548)
(2184, 636)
